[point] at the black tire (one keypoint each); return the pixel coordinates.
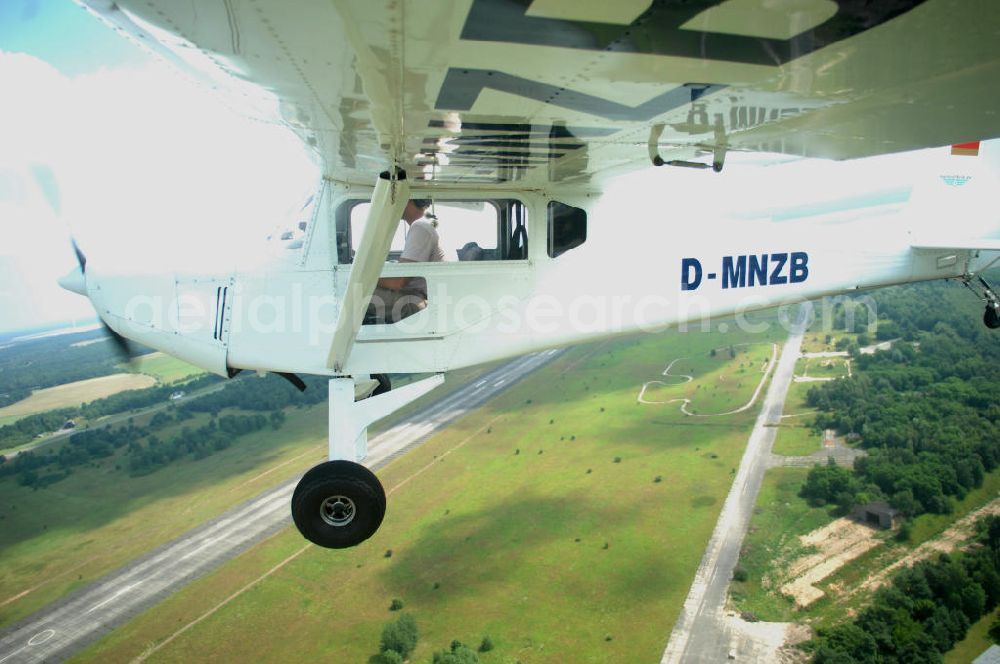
(991, 318)
(338, 504)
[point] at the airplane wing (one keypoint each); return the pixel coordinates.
(488, 92)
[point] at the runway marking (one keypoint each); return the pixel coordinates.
(114, 597)
(461, 444)
(150, 652)
(803, 414)
(36, 640)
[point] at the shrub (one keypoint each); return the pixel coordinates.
(400, 636)
(396, 605)
(386, 657)
(740, 574)
(618, 459)
(458, 654)
(486, 644)
(905, 531)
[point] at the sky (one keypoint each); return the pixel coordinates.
(102, 140)
(105, 142)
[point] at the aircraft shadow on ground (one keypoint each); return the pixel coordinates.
(473, 554)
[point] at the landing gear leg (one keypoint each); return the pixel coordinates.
(991, 317)
(341, 503)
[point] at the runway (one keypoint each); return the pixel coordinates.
(68, 625)
(701, 633)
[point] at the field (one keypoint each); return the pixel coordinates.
(164, 368)
(780, 517)
(564, 519)
(974, 643)
(74, 394)
(61, 537)
(795, 402)
(772, 545)
(796, 439)
(58, 538)
(822, 367)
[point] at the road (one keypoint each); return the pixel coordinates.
(61, 629)
(702, 633)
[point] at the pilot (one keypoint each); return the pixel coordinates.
(395, 298)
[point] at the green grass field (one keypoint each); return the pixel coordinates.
(164, 368)
(796, 401)
(822, 367)
(516, 522)
(58, 538)
(797, 439)
(71, 395)
(9, 419)
(780, 516)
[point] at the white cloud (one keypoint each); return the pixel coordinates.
(151, 170)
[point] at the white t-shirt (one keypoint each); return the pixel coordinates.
(422, 243)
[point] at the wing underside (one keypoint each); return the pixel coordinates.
(515, 92)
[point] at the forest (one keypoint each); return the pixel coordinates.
(926, 413)
(255, 403)
(924, 612)
(35, 364)
(926, 410)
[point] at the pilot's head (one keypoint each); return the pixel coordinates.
(415, 209)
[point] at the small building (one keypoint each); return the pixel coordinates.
(70, 424)
(176, 395)
(878, 514)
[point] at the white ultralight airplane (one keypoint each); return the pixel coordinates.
(512, 116)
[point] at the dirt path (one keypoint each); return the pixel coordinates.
(838, 543)
(951, 539)
(686, 402)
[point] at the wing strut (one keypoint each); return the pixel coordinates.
(388, 200)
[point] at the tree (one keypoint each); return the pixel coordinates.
(386, 657)
(847, 643)
(995, 631)
(458, 654)
(400, 636)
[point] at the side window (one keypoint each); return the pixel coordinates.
(468, 230)
(359, 214)
(567, 228)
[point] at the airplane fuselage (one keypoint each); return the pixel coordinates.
(638, 270)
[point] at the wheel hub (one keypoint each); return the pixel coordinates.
(337, 511)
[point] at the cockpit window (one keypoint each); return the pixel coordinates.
(567, 228)
(468, 230)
